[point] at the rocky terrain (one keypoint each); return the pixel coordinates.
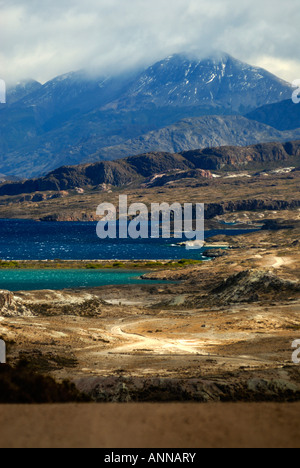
(145, 167)
(271, 183)
(222, 332)
(198, 132)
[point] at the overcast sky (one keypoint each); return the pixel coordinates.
(44, 38)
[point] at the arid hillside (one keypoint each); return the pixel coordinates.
(222, 332)
(138, 169)
(226, 192)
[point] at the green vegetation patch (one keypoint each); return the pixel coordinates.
(9, 265)
(97, 265)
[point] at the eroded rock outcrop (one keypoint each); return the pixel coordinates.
(253, 285)
(53, 303)
(218, 209)
(133, 389)
(12, 307)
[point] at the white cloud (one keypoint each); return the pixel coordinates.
(44, 39)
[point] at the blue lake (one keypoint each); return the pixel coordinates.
(29, 240)
(29, 280)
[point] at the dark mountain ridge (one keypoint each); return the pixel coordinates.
(138, 169)
(195, 133)
(284, 115)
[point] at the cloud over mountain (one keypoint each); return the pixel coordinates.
(44, 39)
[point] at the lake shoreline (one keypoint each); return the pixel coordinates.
(129, 265)
(202, 332)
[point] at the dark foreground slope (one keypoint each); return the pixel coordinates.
(21, 385)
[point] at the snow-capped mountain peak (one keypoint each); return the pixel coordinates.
(182, 80)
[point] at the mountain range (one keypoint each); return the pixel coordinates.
(283, 115)
(195, 133)
(148, 168)
(179, 103)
